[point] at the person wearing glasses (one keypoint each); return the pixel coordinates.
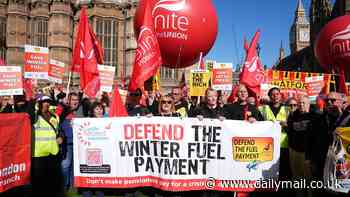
(292, 105)
(166, 107)
(321, 138)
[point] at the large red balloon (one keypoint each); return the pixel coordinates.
(332, 46)
(184, 28)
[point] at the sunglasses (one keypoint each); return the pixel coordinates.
(166, 102)
(293, 105)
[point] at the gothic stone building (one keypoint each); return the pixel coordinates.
(304, 31)
(52, 24)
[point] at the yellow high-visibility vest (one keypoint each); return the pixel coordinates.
(45, 143)
(281, 116)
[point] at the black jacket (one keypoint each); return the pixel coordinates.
(207, 112)
(236, 111)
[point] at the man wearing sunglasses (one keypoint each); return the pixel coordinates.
(320, 138)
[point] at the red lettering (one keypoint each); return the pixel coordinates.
(128, 132)
(178, 132)
(138, 132)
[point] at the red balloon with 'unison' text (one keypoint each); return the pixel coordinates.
(332, 46)
(184, 29)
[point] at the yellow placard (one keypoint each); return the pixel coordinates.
(199, 82)
(248, 149)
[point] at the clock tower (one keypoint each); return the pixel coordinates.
(300, 30)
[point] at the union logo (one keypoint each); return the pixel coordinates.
(170, 5)
(340, 43)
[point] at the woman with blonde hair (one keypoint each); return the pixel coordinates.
(166, 107)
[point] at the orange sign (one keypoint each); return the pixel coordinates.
(36, 62)
(222, 76)
(247, 149)
(56, 71)
(11, 80)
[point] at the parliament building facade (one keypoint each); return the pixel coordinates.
(53, 24)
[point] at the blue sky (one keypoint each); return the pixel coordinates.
(239, 18)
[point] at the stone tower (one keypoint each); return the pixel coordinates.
(300, 30)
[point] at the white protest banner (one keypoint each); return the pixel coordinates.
(56, 71)
(36, 62)
(173, 154)
(106, 77)
(222, 76)
(11, 80)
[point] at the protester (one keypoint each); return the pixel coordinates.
(241, 110)
(292, 104)
(320, 139)
(66, 114)
(275, 111)
(5, 104)
(105, 101)
(210, 109)
(133, 104)
(300, 123)
(167, 107)
(181, 106)
(97, 111)
(46, 175)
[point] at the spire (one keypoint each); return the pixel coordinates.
(282, 54)
(300, 7)
(300, 14)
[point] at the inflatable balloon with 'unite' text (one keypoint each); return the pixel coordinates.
(184, 29)
(332, 46)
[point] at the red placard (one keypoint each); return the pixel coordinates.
(15, 150)
(36, 62)
(10, 80)
(56, 71)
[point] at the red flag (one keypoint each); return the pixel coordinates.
(117, 107)
(148, 58)
(253, 71)
(201, 62)
(246, 45)
(2, 62)
(86, 55)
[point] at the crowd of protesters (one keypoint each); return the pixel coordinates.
(307, 130)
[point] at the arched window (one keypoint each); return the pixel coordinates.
(3, 38)
(107, 33)
(39, 31)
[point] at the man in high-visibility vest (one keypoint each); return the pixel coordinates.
(275, 111)
(46, 173)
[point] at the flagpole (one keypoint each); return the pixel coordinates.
(69, 81)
